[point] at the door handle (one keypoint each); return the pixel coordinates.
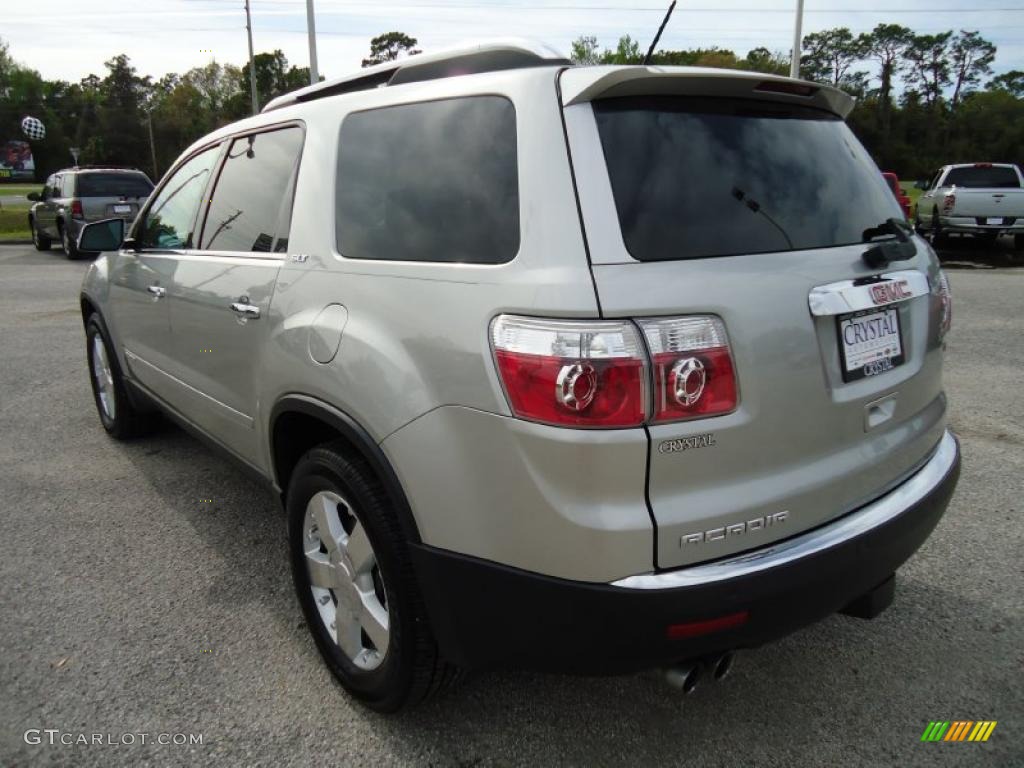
(243, 308)
(157, 291)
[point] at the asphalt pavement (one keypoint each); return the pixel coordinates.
(145, 591)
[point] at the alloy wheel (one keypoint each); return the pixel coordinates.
(103, 377)
(345, 580)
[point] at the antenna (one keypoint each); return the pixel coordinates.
(657, 37)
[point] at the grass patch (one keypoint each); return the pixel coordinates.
(912, 192)
(19, 189)
(14, 224)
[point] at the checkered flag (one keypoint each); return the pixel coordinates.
(33, 128)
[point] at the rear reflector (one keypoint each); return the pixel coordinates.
(698, 628)
(572, 373)
(693, 371)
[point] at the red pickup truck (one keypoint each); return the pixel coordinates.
(894, 185)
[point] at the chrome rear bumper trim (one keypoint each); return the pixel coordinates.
(877, 513)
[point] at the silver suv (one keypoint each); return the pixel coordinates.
(73, 197)
(587, 369)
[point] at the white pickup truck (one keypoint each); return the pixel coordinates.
(983, 199)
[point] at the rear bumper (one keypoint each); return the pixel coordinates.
(484, 614)
(970, 225)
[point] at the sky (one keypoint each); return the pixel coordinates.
(69, 39)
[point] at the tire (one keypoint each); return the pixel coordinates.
(389, 658)
(39, 240)
(1018, 242)
(918, 227)
(938, 236)
(70, 247)
(118, 414)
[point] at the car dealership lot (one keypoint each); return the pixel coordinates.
(145, 590)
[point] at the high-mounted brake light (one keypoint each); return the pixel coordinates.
(784, 86)
(572, 373)
(692, 365)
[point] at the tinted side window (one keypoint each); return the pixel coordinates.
(169, 220)
(436, 181)
(251, 205)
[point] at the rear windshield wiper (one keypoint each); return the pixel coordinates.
(884, 252)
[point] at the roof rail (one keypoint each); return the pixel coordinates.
(490, 56)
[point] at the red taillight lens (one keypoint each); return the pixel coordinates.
(580, 374)
(76, 209)
(692, 365)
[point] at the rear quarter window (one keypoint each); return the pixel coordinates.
(698, 177)
(434, 181)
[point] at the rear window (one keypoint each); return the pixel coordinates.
(436, 181)
(113, 185)
(978, 177)
(699, 177)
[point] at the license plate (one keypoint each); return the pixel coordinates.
(990, 220)
(122, 209)
(870, 343)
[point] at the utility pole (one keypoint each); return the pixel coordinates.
(252, 61)
(798, 40)
(152, 147)
(314, 74)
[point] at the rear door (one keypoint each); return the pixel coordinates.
(752, 210)
(221, 291)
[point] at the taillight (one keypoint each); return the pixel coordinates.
(948, 202)
(945, 295)
(572, 373)
(692, 367)
(76, 209)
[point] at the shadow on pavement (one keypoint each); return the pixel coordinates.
(966, 252)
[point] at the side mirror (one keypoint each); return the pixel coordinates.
(34, 197)
(920, 185)
(106, 235)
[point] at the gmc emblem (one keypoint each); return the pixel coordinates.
(887, 293)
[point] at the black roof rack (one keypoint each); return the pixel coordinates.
(484, 57)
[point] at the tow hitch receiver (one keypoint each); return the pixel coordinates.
(873, 602)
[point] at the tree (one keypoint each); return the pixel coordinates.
(390, 46)
(763, 60)
(830, 56)
(971, 56)
(584, 50)
(886, 45)
(626, 52)
(1012, 82)
(928, 70)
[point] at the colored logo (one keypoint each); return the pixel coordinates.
(958, 730)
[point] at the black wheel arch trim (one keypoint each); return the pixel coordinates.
(360, 439)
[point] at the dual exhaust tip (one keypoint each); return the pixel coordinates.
(686, 677)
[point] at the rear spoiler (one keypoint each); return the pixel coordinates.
(580, 84)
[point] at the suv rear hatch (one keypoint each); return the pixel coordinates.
(112, 194)
(747, 199)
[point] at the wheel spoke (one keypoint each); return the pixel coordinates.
(348, 634)
(359, 550)
(374, 620)
(321, 570)
(325, 513)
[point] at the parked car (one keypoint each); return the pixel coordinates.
(75, 196)
(529, 395)
(981, 199)
(894, 184)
